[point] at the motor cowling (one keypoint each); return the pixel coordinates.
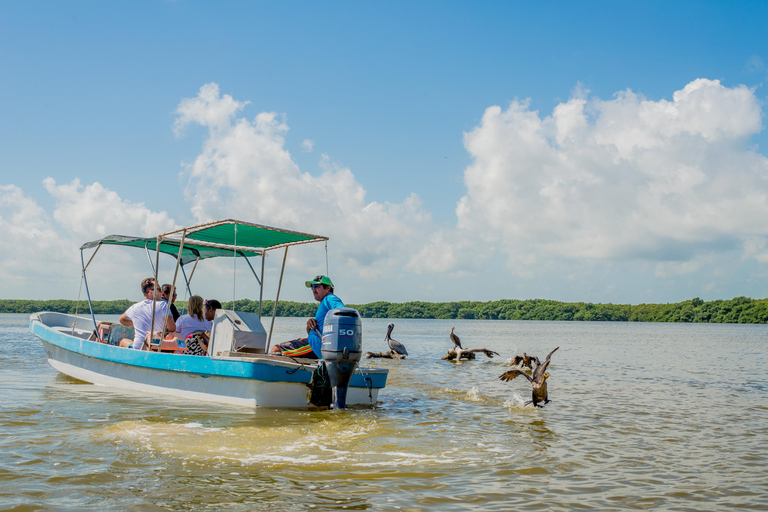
(342, 349)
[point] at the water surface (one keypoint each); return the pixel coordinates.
(643, 416)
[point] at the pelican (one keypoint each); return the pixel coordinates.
(394, 345)
(538, 381)
(455, 339)
(526, 360)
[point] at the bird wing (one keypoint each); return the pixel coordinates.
(516, 360)
(511, 374)
(456, 340)
(535, 359)
(397, 347)
(538, 373)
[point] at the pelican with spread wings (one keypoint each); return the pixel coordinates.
(526, 360)
(538, 381)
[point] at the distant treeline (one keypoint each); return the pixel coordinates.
(741, 310)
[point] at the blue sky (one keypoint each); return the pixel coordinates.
(625, 161)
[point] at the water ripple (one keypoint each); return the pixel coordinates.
(642, 416)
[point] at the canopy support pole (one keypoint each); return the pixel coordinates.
(251, 266)
(189, 292)
(146, 248)
(261, 283)
(87, 292)
(256, 276)
(173, 285)
(274, 309)
(154, 296)
(194, 267)
(92, 256)
(234, 270)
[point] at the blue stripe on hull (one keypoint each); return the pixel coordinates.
(260, 370)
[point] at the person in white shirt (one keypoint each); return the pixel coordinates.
(139, 316)
(194, 320)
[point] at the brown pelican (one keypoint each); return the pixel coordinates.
(538, 381)
(394, 345)
(526, 360)
(455, 339)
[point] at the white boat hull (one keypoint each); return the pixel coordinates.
(249, 382)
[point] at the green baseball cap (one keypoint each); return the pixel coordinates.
(320, 280)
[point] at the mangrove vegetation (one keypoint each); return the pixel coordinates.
(737, 310)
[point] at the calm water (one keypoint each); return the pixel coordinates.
(643, 416)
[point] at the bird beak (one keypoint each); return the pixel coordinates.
(546, 375)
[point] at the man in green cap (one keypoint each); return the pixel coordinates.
(311, 346)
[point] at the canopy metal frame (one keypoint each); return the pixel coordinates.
(201, 240)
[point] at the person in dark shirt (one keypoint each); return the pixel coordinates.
(165, 293)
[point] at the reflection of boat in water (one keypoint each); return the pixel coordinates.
(237, 369)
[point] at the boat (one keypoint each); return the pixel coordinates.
(238, 368)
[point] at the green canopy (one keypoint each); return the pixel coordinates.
(215, 239)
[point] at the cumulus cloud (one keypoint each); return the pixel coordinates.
(93, 211)
(671, 191)
(625, 178)
(35, 256)
(244, 171)
(42, 257)
(208, 108)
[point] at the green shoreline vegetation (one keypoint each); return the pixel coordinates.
(742, 310)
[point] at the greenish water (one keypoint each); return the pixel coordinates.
(643, 416)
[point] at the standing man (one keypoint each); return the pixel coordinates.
(139, 316)
(311, 346)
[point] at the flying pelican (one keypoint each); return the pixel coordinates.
(394, 345)
(455, 339)
(538, 381)
(526, 360)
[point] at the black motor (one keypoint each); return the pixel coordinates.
(342, 349)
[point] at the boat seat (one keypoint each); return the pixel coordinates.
(118, 332)
(173, 345)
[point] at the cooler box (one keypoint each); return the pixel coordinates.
(236, 331)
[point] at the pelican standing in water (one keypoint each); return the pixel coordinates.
(538, 381)
(394, 345)
(455, 339)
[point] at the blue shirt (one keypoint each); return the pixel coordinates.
(328, 303)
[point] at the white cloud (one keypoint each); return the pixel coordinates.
(308, 145)
(618, 199)
(625, 178)
(42, 257)
(93, 211)
(207, 108)
(756, 247)
(35, 258)
(244, 171)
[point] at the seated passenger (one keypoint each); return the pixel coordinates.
(139, 316)
(167, 296)
(311, 346)
(194, 320)
(197, 343)
(209, 309)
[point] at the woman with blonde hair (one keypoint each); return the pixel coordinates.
(194, 320)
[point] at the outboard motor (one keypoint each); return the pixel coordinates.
(342, 349)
